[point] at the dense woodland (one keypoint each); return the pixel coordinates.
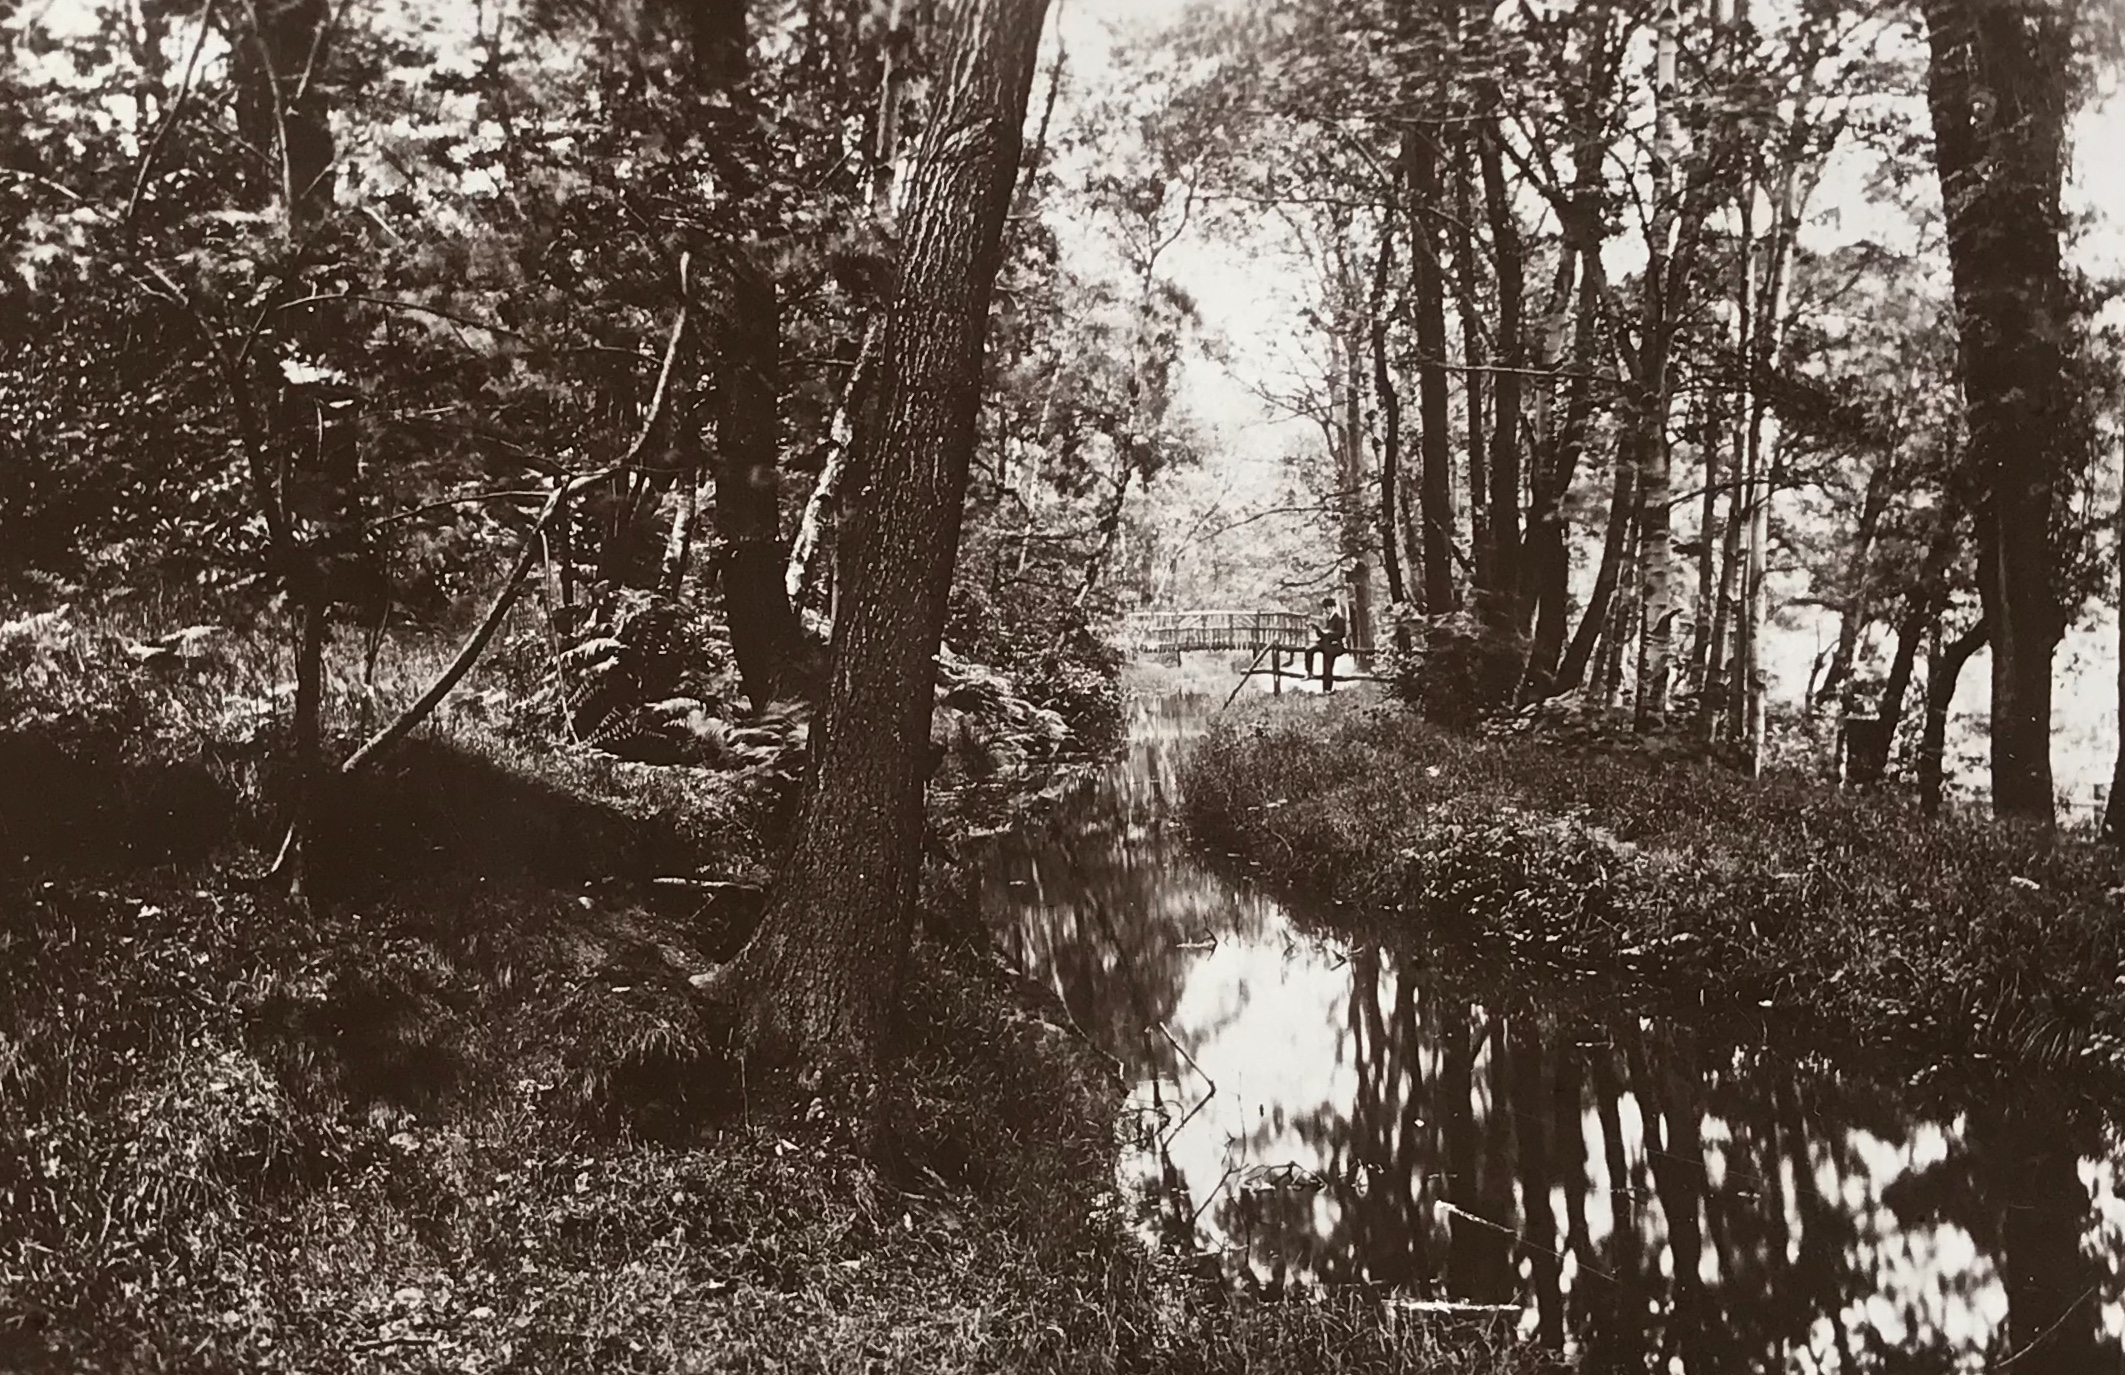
(1627, 331)
(817, 331)
(526, 529)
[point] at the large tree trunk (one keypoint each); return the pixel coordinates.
(764, 634)
(1487, 590)
(1649, 411)
(1435, 514)
(1390, 406)
(1505, 392)
(819, 979)
(746, 344)
(1997, 88)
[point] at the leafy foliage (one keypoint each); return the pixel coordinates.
(1454, 668)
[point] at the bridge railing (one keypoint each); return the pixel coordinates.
(1180, 632)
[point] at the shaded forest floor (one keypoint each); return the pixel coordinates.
(1960, 953)
(463, 1115)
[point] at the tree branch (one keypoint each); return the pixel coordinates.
(477, 642)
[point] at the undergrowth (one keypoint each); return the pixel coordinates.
(1680, 887)
(482, 1130)
(467, 1114)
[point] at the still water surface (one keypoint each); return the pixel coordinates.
(1646, 1196)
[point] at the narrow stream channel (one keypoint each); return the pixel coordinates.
(1647, 1196)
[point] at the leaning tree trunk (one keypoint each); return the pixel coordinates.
(1944, 669)
(1547, 566)
(1997, 86)
(1623, 508)
(819, 979)
(1922, 613)
(1857, 610)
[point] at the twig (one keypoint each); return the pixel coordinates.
(1201, 1102)
(386, 1343)
(1228, 702)
(168, 124)
(2033, 1342)
(1560, 1256)
(477, 499)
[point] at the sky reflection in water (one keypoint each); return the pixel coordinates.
(1651, 1196)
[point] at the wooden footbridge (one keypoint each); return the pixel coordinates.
(1278, 640)
(1189, 632)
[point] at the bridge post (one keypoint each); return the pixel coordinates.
(1276, 672)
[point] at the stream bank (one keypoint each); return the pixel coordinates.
(1322, 1096)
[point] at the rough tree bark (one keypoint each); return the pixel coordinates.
(745, 345)
(1420, 174)
(818, 981)
(764, 634)
(1511, 352)
(1998, 86)
(1390, 408)
(1649, 394)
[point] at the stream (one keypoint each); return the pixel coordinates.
(1645, 1196)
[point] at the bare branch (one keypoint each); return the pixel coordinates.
(170, 117)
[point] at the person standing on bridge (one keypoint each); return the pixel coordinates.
(1330, 635)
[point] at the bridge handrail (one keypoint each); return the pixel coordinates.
(1217, 628)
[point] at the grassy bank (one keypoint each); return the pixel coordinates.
(465, 1115)
(1954, 946)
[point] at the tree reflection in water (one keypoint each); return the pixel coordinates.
(1654, 1196)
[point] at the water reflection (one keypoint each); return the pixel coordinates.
(1648, 1197)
